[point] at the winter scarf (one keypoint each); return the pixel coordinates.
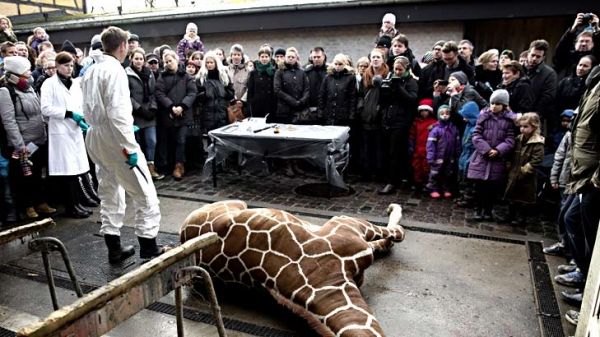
(265, 68)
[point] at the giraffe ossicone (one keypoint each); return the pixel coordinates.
(314, 271)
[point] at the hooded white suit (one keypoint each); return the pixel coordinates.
(107, 109)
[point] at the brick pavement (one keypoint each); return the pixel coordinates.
(279, 191)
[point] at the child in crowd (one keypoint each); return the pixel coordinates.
(493, 138)
(469, 113)
(189, 43)
(192, 67)
(521, 189)
(565, 122)
(39, 36)
(443, 150)
(418, 142)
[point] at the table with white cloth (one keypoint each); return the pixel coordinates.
(325, 146)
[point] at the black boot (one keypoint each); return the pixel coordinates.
(7, 202)
(149, 249)
(86, 193)
(116, 252)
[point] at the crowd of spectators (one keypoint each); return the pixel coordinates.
(445, 124)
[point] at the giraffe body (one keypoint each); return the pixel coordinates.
(314, 271)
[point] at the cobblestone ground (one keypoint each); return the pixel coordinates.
(279, 191)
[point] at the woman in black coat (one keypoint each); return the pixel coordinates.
(141, 89)
(487, 74)
(518, 86)
(175, 93)
(571, 88)
(261, 95)
(399, 104)
(292, 90)
(215, 90)
(337, 97)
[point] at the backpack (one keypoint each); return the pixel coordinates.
(6, 149)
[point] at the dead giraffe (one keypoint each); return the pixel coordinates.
(314, 271)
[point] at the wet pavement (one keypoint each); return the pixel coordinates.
(280, 191)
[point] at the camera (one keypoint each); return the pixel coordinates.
(587, 18)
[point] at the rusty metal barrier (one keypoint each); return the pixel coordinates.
(101, 310)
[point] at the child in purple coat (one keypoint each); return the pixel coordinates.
(443, 150)
(494, 140)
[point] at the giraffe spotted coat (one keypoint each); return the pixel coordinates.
(314, 271)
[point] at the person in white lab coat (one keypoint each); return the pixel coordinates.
(120, 163)
(61, 100)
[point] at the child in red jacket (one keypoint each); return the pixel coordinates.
(418, 142)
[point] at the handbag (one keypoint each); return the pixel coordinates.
(235, 112)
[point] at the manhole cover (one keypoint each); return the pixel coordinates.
(323, 190)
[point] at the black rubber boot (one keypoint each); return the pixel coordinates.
(116, 252)
(149, 249)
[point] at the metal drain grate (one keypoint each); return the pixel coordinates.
(549, 312)
(7, 333)
(196, 316)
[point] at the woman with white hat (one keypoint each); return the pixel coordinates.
(25, 139)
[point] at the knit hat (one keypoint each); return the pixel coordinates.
(389, 17)
(568, 113)
(426, 104)
(134, 37)
(96, 42)
(442, 107)
(500, 96)
(17, 65)
(279, 51)
(384, 41)
(470, 111)
(427, 57)
(191, 27)
(236, 48)
(68, 47)
(460, 77)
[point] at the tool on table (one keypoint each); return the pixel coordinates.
(265, 128)
(135, 166)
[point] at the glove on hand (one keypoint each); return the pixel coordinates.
(132, 159)
(83, 126)
(77, 117)
(136, 128)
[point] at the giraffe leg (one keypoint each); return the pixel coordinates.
(381, 245)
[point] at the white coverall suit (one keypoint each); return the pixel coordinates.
(107, 109)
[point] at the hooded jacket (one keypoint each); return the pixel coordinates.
(559, 174)
(186, 44)
(522, 179)
(491, 132)
(443, 147)
(22, 121)
(143, 100)
(337, 98)
(470, 112)
(585, 137)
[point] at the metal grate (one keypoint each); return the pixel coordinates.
(549, 312)
(6, 333)
(231, 324)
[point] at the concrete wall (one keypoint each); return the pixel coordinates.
(355, 41)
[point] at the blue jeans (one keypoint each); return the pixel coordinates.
(146, 137)
(581, 224)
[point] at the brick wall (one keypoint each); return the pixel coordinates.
(355, 41)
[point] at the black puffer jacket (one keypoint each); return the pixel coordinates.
(175, 89)
(292, 90)
(399, 100)
(569, 92)
(316, 75)
(261, 95)
(337, 99)
(214, 95)
(143, 101)
(486, 81)
(520, 93)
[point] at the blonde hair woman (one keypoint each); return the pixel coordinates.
(6, 32)
(337, 97)
(488, 75)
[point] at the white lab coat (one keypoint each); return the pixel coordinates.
(107, 109)
(66, 147)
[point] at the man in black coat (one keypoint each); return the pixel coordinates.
(579, 40)
(543, 84)
(316, 71)
(451, 62)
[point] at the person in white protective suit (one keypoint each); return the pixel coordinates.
(121, 165)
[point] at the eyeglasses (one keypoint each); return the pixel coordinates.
(50, 68)
(153, 62)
